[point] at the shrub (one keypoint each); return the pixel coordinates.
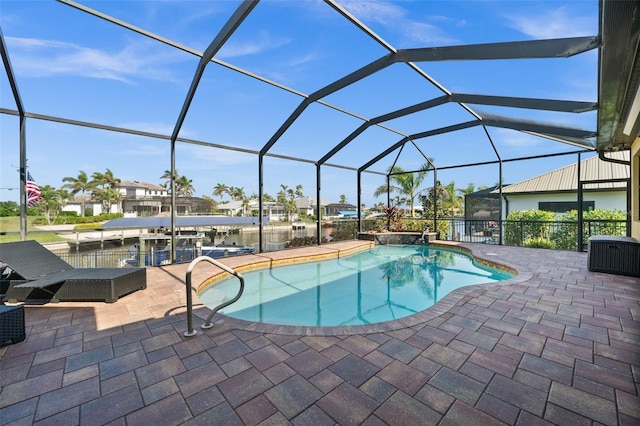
(597, 222)
(85, 226)
(344, 230)
(303, 241)
(539, 242)
(394, 218)
(526, 224)
(9, 208)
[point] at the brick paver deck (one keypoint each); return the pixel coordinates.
(557, 345)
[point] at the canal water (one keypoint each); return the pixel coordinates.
(112, 253)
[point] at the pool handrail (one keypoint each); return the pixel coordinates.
(190, 331)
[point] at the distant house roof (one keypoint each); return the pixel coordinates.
(145, 185)
(487, 192)
(310, 202)
(565, 179)
(181, 221)
(230, 205)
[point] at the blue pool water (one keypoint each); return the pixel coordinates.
(381, 284)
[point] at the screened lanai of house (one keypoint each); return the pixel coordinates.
(330, 95)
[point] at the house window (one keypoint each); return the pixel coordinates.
(564, 206)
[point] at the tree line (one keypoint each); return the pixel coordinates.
(404, 189)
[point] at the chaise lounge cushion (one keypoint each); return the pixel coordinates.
(37, 273)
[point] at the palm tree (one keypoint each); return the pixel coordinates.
(286, 197)
(453, 201)
(108, 194)
(106, 179)
(236, 193)
(343, 199)
(404, 183)
(79, 184)
(52, 201)
(108, 197)
(167, 178)
(471, 188)
(219, 190)
(184, 187)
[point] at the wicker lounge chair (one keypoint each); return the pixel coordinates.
(33, 272)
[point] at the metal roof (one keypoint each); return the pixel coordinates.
(565, 179)
(157, 222)
(619, 86)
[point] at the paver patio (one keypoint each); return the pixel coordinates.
(556, 345)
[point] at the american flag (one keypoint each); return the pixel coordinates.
(33, 191)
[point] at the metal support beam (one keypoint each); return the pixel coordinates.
(223, 35)
(318, 211)
(580, 208)
(530, 49)
(23, 141)
(359, 199)
(540, 128)
(426, 134)
(526, 103)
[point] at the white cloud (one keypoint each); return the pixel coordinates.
(375, 11)
(208, 157)
(515, 139)
(555, 23)
(427, 33)
(395, 17)
(263, 42)
(45, 58)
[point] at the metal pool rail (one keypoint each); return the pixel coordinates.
(190, 331)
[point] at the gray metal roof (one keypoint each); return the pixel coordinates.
(145, 185)
(565, 179)
(181, 222)
(619, 75)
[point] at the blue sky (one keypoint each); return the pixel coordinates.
(73, 65)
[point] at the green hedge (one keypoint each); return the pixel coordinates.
(524, 225)
(565, 236)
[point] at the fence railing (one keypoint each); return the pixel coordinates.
(561, 235)
(547, 234)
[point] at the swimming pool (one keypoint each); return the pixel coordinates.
(384, 283)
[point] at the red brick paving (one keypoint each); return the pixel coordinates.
(556, 345)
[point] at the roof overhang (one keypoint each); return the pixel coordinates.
(619, 89)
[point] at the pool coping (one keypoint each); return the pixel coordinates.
(456, 297)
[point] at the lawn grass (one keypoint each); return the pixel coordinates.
(10, 231)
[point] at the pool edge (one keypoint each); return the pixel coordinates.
(456, 297)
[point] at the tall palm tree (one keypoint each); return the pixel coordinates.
(108, 197)
(107, 194)
(286, 197)
(167, 178)
(106, 179)
(404, 183)
(236, 193)
(52, 200)
(79, 184)
(184, 187)
(471, 188)
(219, 190)
(343, 199)
(453, 201)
